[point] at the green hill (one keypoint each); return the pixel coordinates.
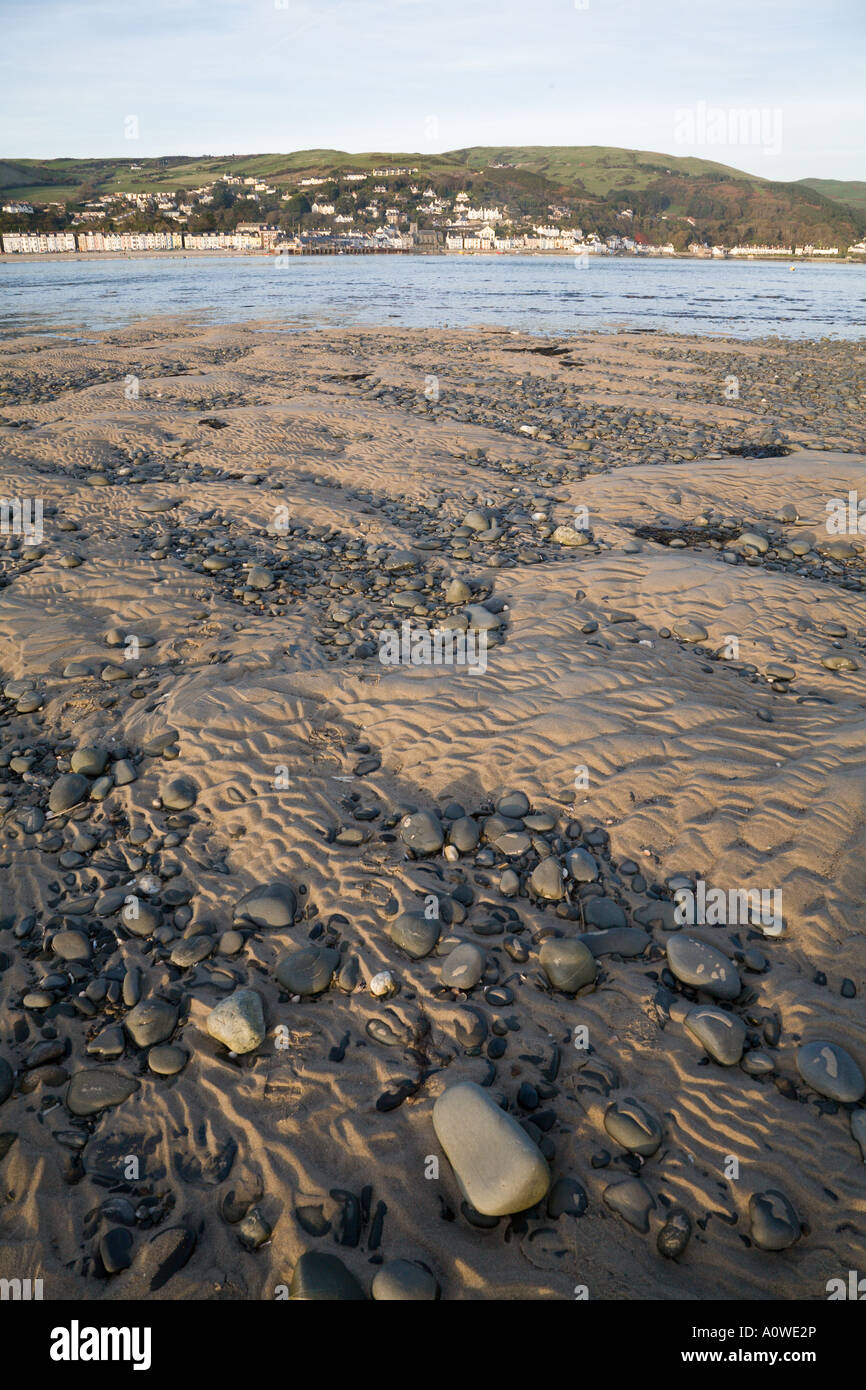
(668, 197)
(851, 193)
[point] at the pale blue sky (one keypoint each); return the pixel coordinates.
(245, 76)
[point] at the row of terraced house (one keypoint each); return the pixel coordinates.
(244, 238)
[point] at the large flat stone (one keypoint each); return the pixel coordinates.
(498, 1167)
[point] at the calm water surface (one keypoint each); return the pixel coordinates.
(539, 294)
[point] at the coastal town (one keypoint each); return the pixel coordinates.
(386, 210)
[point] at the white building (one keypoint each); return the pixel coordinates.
(36, 243)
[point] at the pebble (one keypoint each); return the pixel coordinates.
(151, 1021)
(675, 1234)
(689, 631)
(632, 1200)
(774, 1223)
(722, 1034)
(464, 834)
(568, 964)
(404, 1281)
(308, 970)
(581, 866)
(92, 1091)
(498, 1168)
(179, 794)
(422, 833)
(238, 1022)
(414, 933)
(269, 905)
(115, 1249)
(167, 1060)
(463, 967)
(831, 1071)
(67, 791)
(705, 967)
(71, 945)
(546, 880)
(382, 984)
(319, 1277)
(630, 1124)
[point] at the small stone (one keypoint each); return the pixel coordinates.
(98, 1089)
(569, 535)
(581, 866)
(775, 1225)
(115, 1249)
(546, 880)
(167, 1060)
(71, 945)
(307, 971)
(150, 1022)
(139, 917)
(630, 1124)
(831, 1071)
(689, 631)
(238, 1022)
(695, 963)
(90, 761)
(422, 833)
(191, 950)
(179, 794)
(723, 1035)
(464, 834)
(463, 967)
(269, 905)
(260, 578)
(323, 1278)
(67, 791)
(514, 805)
(382, 984)
(253, 1230)
(404, 1281)
(568, 964)
(632, 1200)
(414, 933)
(674, 1235)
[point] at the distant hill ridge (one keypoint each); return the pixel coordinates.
(594, 183)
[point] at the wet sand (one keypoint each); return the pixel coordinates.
(675, 679)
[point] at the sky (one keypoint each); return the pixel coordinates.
(117, 78)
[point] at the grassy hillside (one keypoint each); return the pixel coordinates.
(593, 184)
(850, 192)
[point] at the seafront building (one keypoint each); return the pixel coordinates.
(463, 236)
(36, 242)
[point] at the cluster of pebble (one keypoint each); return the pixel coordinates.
(778, 545)
(357, 588)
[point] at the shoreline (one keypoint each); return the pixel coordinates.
(18, 257)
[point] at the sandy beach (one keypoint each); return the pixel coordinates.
(213, 792)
